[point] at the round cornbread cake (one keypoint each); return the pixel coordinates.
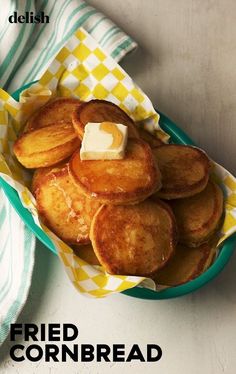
(56, 110)
(198, 217)
(186, 264)
(184, 170)
(97, 111)
(62, 206)
(46, 146)
(134, 240)
(126, 181)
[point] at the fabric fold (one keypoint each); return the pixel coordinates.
(27, 49)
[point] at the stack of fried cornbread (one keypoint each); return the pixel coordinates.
(155, 213)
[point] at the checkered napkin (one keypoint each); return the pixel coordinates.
(28, 49)
(83, 69)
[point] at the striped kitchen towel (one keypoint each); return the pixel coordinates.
(28, 48)
(17, 245)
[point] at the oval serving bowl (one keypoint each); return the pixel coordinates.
(177, 136)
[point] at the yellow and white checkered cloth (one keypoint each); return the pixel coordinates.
(82, 69)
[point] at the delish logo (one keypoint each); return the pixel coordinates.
(29, 17)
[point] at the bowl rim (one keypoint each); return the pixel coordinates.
(178, 136)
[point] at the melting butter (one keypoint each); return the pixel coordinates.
(116, 133)
(104, 141)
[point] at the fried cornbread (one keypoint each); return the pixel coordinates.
(46, 146)
(186, 264)
(184, 170)
(109, 211)
(135, 239)
(99, 111)
(62, 206)
(56, 110)
(125, 181)
(198, 217)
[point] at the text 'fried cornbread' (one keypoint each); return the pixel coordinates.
(125, 181)
(186, 264)
(99, 111)
(198, 217)
(56, 110)
(62, 206)
(135, 239)
(184, 170)
(46, 146)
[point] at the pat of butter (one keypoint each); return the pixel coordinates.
(104, 141)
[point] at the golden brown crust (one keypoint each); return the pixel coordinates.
(56, 110)
(198, 217)
(184, 170)
(126, 181)
(62, 206)
(186, 264)
(46, 146)
(134, 240)
(99, 111)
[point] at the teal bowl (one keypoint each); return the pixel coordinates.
(177, 136)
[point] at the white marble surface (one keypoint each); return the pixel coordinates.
(186, 63)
